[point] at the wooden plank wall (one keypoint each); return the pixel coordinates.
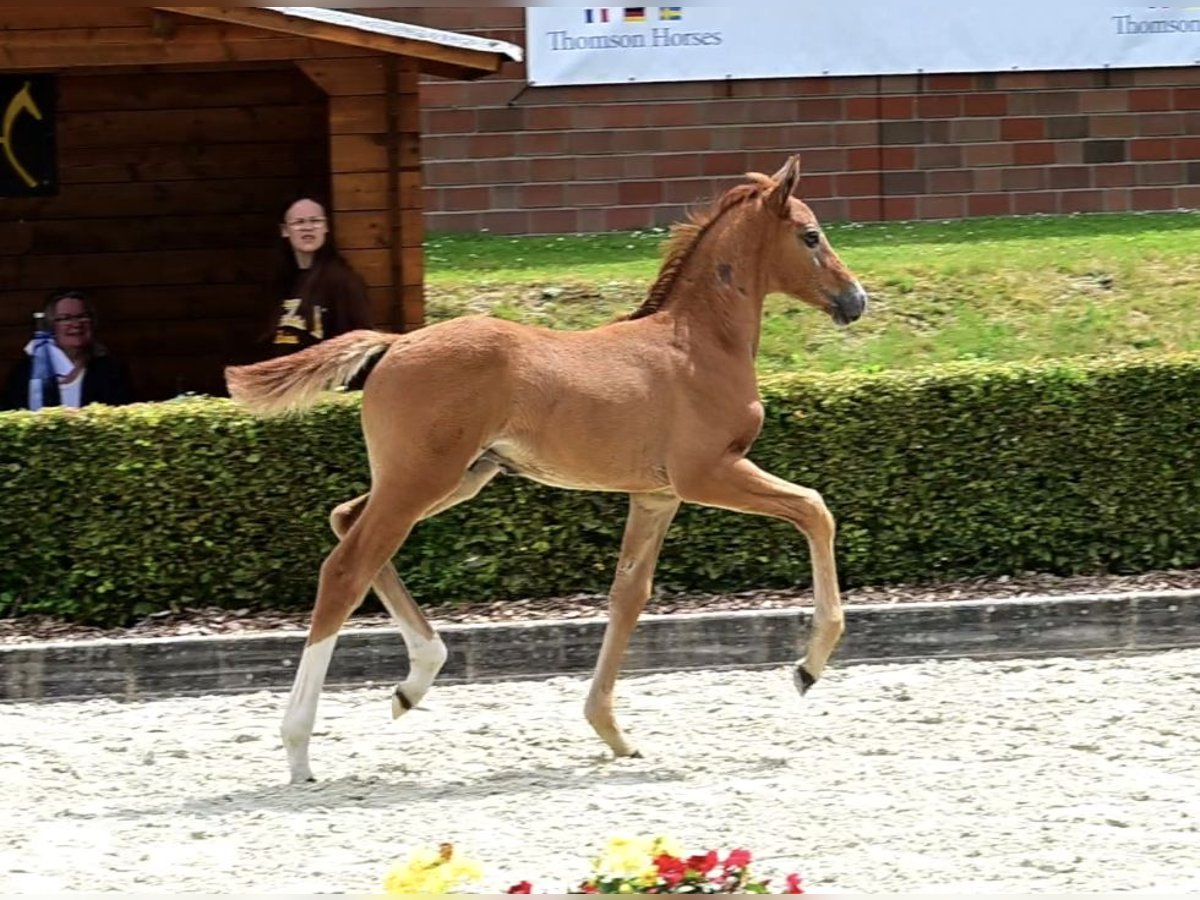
(174, 175)
(410, 203)
(171, 188)
(375, 165)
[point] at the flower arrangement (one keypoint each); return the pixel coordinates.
(628, 865)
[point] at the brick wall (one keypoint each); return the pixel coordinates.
(546, 160)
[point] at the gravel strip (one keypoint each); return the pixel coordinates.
(192, 622)
(1060, 775)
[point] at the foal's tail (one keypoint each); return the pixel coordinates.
(295, 381)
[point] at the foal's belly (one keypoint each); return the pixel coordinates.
(582, 471)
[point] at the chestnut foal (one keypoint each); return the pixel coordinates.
(662, 405)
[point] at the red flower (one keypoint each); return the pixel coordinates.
(737, 859)
(670, 868)
(521, 887)
(793, 884)
(703, 864)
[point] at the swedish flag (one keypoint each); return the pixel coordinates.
(670, 13)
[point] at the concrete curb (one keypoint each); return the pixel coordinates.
(1070, 625)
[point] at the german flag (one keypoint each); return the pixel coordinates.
(635, 13)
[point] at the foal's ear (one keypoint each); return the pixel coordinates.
(786, 180)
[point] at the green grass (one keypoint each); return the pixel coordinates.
(1019, 288)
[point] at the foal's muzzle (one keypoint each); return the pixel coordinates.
(849, 305)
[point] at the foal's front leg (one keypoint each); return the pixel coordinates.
(740, 485)
(645, 528)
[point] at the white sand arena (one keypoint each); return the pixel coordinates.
(1021, 776)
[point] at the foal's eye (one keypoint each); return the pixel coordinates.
(812, 238)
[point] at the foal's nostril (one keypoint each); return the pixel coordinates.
(862, 301)
(850, 304)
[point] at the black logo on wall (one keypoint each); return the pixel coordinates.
(28, 157)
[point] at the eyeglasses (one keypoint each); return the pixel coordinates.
(67, 320)
(311, 220)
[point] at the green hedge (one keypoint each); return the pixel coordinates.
(109, 514)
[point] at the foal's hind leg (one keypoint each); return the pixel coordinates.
(426, 651)
(740, 485)
(475, 480)
(379, 530)
(645, 528)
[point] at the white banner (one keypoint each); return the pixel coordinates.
(612, 45)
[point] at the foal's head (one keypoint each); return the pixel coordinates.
(799, 260)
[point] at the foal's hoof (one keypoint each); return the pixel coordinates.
(803, 680)
(400, 703)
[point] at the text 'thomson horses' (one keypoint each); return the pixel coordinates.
(662, 405)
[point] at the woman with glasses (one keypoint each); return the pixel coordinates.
(319, 295)
(95, 377)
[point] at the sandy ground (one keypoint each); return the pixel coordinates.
(1040, 776)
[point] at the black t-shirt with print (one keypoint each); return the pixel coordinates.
(341, 306)
(295, 331)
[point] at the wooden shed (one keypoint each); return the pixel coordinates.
(166, 145)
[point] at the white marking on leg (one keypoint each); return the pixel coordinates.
(302, 706)
(425, 659)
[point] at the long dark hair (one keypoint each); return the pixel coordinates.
(327, 277)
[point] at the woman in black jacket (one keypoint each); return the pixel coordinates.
(96, 376)
(318, 294)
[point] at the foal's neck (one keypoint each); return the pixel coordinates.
(721, 292)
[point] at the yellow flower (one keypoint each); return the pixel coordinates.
(667, 845)
(428, 871)
(633, 858)
(626, 857)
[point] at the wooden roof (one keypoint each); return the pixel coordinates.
(95, 36)
(445, 53)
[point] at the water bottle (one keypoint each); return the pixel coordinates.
(41, 369)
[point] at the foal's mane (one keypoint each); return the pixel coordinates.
(685, 238)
